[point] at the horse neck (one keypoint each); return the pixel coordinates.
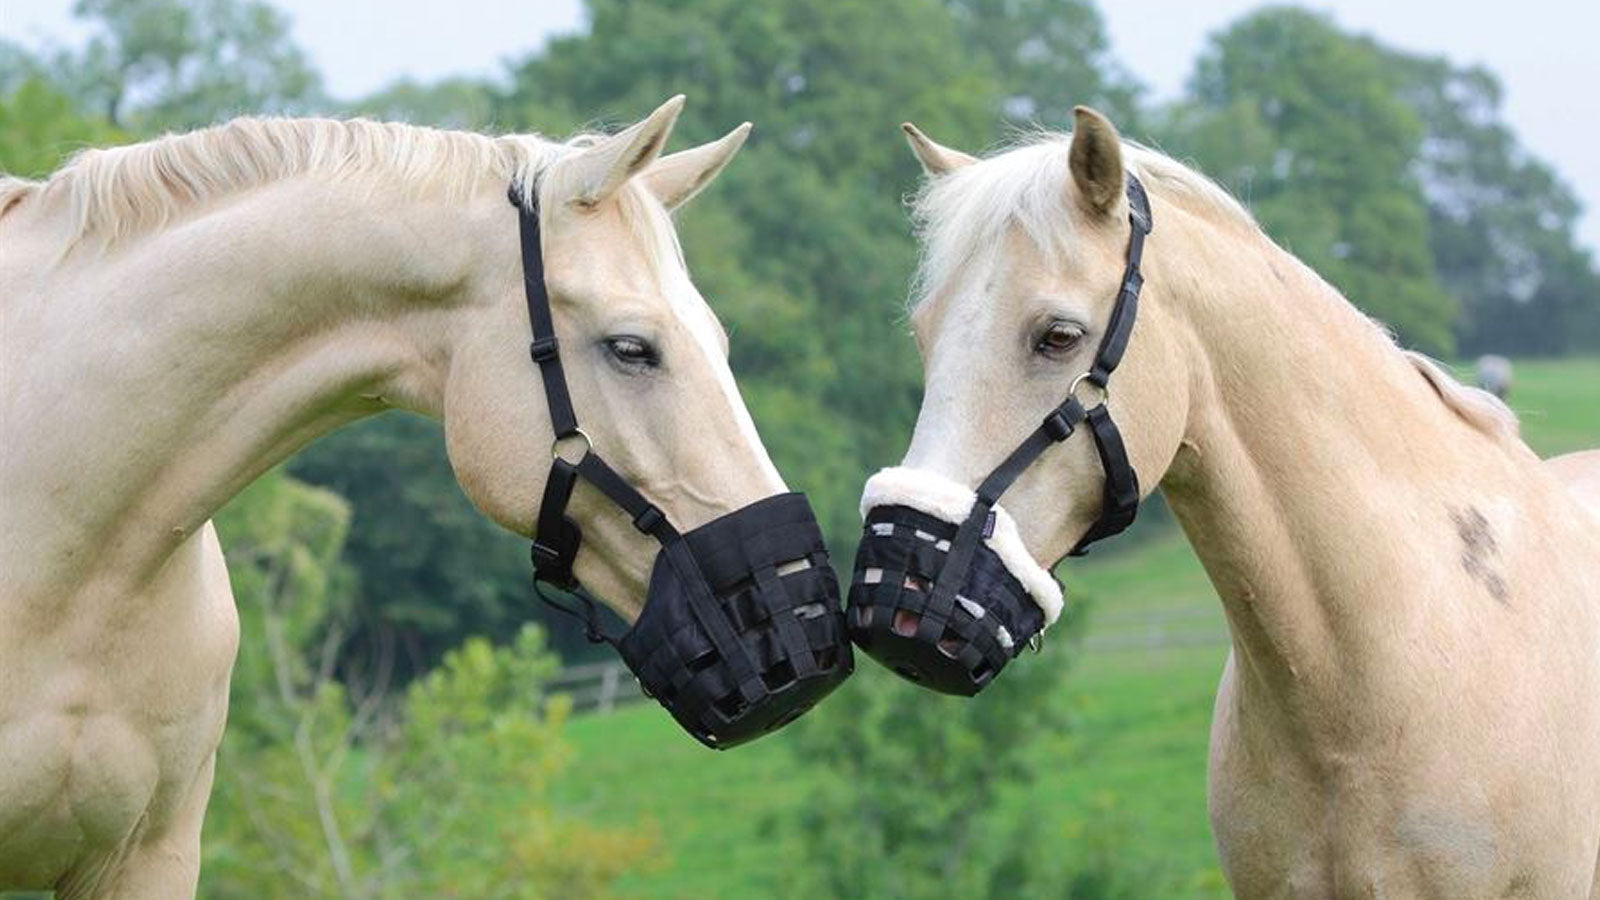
(185, 362)
(1321, 476)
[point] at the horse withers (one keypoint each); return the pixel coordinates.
(1411, 707)
(180, 315)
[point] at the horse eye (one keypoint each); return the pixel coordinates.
(633, 351)
(1059, 338)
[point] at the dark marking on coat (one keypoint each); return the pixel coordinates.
(1521, 885)
(1479, 551)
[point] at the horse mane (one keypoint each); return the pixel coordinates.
(1478, 408)
(120, 191)
(14, 191)
(962, 215)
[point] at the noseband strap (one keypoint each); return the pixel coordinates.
(1120, 502)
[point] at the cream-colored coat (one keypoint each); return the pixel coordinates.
(179, 316)
(1412, 704)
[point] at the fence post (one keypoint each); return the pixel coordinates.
(608, 688)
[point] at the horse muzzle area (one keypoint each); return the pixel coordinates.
(742, 630)
(943, 594)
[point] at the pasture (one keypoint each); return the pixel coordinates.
(1131, 774)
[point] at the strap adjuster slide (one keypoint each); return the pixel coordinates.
(544, 349)
(648, 519)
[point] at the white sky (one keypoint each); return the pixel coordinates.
(1543, 50)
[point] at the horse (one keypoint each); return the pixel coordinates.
(1411, 702)
(1494, 374)
(181, 315)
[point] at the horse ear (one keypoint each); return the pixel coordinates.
(936, 159)
(676, 178)
(1096, 159)
(599, 170)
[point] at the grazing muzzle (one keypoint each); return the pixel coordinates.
(741, 630)
(944, 591)
(944, 605)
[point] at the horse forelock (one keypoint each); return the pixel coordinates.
(962, 216)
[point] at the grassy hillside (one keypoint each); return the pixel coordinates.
(1141, 695)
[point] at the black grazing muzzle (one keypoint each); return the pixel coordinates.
(934, 600)
(952, 635)
(741, 630)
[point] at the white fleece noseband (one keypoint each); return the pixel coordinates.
(935, 495)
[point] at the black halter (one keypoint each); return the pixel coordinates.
(557, 537)
(741, 630)
(1121, 499)
(930, 599)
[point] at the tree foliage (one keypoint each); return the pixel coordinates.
(331, 788)
(1303, 123)
(157, 65)
(40, 126)
(912, 795)
(1501, 222)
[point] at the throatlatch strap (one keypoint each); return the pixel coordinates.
(557, 536)
(1120, 503)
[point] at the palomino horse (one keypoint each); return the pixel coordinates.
(1412, 703)
(183, 314)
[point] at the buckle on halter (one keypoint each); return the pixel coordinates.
(551, 565)
(544, 349)
(1090, 378)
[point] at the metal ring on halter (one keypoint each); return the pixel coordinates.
(1036, 643)
(1105, 390)
(555, 446)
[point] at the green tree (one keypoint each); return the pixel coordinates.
(330, 787)
(1049, 55)
(154, 65)
(1304, 123)
(40, 127)
(1502, 223)
(464, 103)
(912, 795)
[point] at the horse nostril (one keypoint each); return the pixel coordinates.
(906, 622)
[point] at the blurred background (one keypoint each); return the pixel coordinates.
(407, 722)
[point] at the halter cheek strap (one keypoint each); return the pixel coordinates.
(1120, 502)
(557, 536)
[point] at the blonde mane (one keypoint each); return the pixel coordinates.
(119, 191)
(962, 216)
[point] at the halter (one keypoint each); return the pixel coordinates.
(557, 537)
(1121, 495)
(958, 574)
(741, 630)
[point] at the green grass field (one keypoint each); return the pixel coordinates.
(1135, 761)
